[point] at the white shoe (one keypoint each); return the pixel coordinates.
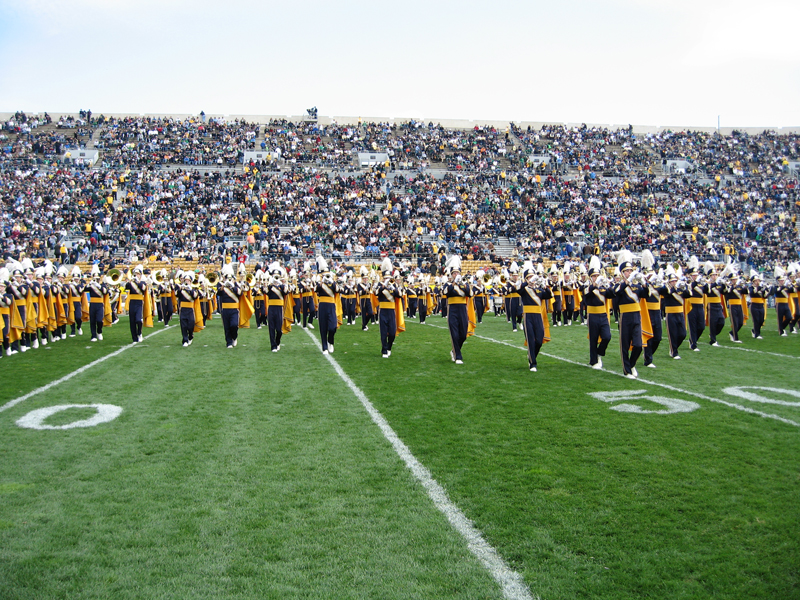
(330, 348)
(389, 352)
(91, 340)
(630, 376)
(634, 372)
(676, 357)
(185, 344)
(600, 362)
(10, 352)
(305, 327)
(35, 344)
(452, 355)
(325, 352)
(730, 335)
(190, 341)
(135, 342)
(71, 335)
(794, 330)
(533, 369)
(459, 362)
(100, 336)
(365, 329)
(384, 356)
(44, 341)
(737, 341)
(259, 327)
(141, 339)
(63, 337)
(274, 349)
(715, 344)
(759, 338)
(597, 366)
(230, 347)
(782, 335)
(235, 342)
(310, 326)
(80, 331)
(278, 348)
(651, 366)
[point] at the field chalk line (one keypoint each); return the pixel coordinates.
(510, 581)
(69, 376)
(648, 382)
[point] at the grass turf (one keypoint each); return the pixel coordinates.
(242, 473)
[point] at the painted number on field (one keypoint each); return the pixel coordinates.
(673, 405)
(36, 418)
(742, 392)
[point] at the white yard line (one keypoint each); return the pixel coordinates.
(656, 383)
(760, 352)
(510, 581)
(53, 384)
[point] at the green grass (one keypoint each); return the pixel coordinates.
(248, 474)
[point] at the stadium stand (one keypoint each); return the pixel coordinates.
(175, 188)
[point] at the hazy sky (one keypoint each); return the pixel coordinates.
(642, 62)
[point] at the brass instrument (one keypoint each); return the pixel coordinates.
(115, 277)
(159, 277)
(249, 278)
(213, 278)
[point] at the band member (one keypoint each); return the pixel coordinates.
(35, 306)
(794, 274)
(735, 291)
(513, 304)
(64, 301)
(349, 298)
(276, 293)
(458, 294)
(411, 297)
(696, 314)
(758, 300)
(557, 303)
(297, 298)
(716, 309)
(6, 304)
(388, 295)
(98, 299)
(596, 294)
(568, 303)
(76, 288)
(425, 299)
(260, 297)
(137, 290)
(364, 298)
(534, 294)
(186, 295)
(479, 294)
(327, 291)
(628, 291)
(652, 303)
(307, 290)
(229, 292)
(783, 292)
(675, 294)
(18, 290)
(166, 299)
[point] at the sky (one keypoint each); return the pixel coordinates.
(678, 63)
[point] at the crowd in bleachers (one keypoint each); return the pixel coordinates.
(600, 190)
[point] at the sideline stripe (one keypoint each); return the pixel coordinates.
(53, 384)
(648, 382)
(510, 581)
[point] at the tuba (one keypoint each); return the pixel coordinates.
(212, 279)
(115, 277)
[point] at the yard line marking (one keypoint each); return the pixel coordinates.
(53, 384)
(648, 382)
(760, 352)
(510, 581)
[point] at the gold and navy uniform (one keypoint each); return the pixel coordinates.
(533, 301)
(307, 289)
(326, 313)
(758, 304)
(97, 296)
(513, 304)
(365, 302)
(630, 323)
(696, 313)
(228, 295)
(276, 297)
(386, 293)
(783, 295)
(457, 295)
(136, 291)
(479, 298)
(186, 296)
(715, 309)
(76, 289)
(675, 299)
(735, 298)
(595, 298)
(653, 302)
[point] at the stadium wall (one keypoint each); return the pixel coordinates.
(448, 123)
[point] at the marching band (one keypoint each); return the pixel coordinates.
(37, 307)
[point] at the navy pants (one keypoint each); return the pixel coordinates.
(275, 322)
(327, 323)
(458, 323)
(599, 337)
(388, 325)
(230, 323)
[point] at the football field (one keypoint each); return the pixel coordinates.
(157, 471)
